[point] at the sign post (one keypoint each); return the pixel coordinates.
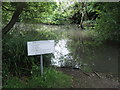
(41, 64)
(40, 48)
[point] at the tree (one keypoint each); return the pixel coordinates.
(81, 13)
(18, 11)
(25, 12)
(108, 26)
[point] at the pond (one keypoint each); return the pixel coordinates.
(86, 55)
(75, 49)
(102, 58)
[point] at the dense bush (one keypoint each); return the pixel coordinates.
(15, 58)
(108, 26)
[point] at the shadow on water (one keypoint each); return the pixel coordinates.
(92, 57)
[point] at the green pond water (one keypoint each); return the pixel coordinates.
(73, 51)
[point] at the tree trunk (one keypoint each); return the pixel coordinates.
(81, 22)
(14, 18)
(84, 13)
(82, 16)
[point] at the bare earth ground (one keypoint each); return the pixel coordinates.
(89, 80)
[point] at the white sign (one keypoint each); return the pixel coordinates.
(40, 47)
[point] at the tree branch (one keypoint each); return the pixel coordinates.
(7, 8)
(14, 18)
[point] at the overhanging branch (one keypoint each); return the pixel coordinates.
(14, 18)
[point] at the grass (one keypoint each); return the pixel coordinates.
(51, 79)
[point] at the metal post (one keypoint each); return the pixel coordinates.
(41, 65)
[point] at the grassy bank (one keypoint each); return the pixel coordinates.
(51, 79)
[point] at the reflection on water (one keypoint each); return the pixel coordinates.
(62, 56)
(60, 52)
(103, 58)
(88, 57)
(91, 57)
(106, 59)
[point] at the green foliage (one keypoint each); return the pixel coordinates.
(15, 58)
(108, 26)
(6, 15)
(36, 12)
(89, 25)
(83, 10)
(51, 79)
(56, 18)
(33, 12)
(13, 82)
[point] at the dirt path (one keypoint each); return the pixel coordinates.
(88, 80)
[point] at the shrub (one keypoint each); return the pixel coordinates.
(15, 59)
(108, 27)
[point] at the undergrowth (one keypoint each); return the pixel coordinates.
(50, 79)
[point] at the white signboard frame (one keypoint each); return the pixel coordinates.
(40, 47)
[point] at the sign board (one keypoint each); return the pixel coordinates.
(40, 47)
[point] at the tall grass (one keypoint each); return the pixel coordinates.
(15, 58)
